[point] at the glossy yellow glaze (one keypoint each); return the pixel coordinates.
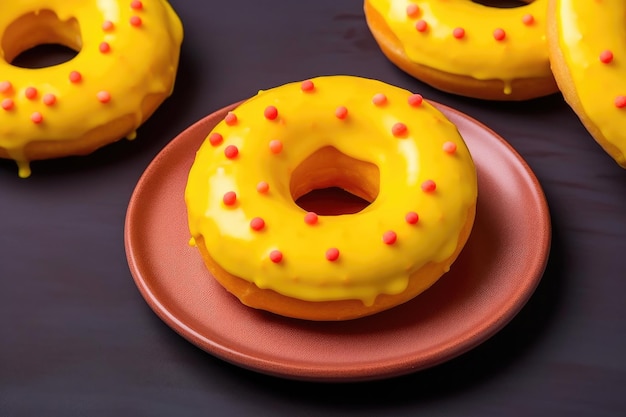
(586, 29)
(522, 53)
(359, 152)
(133, 64)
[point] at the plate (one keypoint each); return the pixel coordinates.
(494, 276)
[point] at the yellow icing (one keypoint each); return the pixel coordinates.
(139, 68)
(306, 124)
(522, 53)
(586, 29)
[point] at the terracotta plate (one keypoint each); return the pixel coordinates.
(492, 279)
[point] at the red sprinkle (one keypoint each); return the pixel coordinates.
(276, 256)
(231, 119)
(231, 151)
(499, 34)
(49, 99)
(135, 21)
(332, 254)
(30, 93)
(620, 102)
(458, 33)
(341, 112)
(75, 77)
(421, 25)
(105, 48)
(270, 113)
(262, 187)
(606, 56)
(528, 19)
(412, 10)
(411, 217)
(276, 146)
(390, 237)
(379, 99)
(8, 104)
(215, 139)
(449, 147)
(136, 5)
(416, 100)
(429, 186)
(307, 86)
(310, 218)
(103, 96)
(257, 224)
(230, 198)
(36, 118)
(399, 130)
(107, 26)
(5, 86)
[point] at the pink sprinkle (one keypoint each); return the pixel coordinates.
(49, 99)
(276, 256)
(36, 118)
(390, 237)
(8, 104)
(5, 86)
(332, 254)
(231, 151)
(499, 34)
(262, 187)
(528, 19)
(411, 217)
(135, 21)
(412, 10)
(75, 77)
(230, 198)
(30, 93)
(429, 186)
(421, 25)
(416, 100)
(257, 224)
(449, 147)
(103, 96)
(231, 119)
(399, 130)
(606, 57)
(341, 112)
(107, 26)
(379, 99)
(270, 113)
(620, 102)
(136, 5)
(276, 146)
(458, 33)
(215, 139)
(310, 218)
(307, 86)
(105, 48)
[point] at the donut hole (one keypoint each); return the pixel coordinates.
(38, 40)
(503, 4)
(331, 183)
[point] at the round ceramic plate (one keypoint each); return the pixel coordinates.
(492, 279)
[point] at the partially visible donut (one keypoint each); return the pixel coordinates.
(128, 52)
(467, 48)
(588, 55)
(376, 141)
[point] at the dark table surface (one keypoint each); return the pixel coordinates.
(79, 340)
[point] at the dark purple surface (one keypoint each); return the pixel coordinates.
(78, 339)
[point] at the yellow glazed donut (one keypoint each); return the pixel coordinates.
(374, 140)
(126, 62)
(588, 55)
(467, 48)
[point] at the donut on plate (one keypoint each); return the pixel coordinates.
(125, 67)
(374, 140)
(467, 48)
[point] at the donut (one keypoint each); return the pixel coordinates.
(586, 43)
(466, 48)
(125, 66)
(376, 141)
